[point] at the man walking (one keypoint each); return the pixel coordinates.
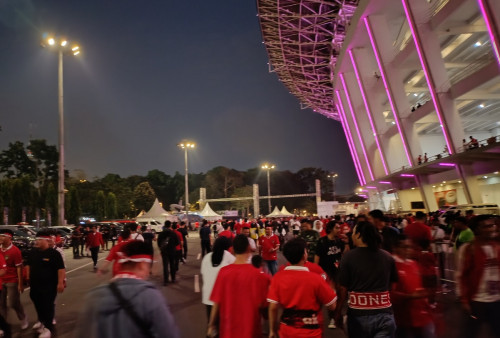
(167, 242)
(129, 306)
(311, 237)
(269, 245)
(185, 235)
(206, 238)
(94, 242)
(239, 294)
(46, 274)
(12, 281)
(367, 273)
(301, 294)
(76, 239)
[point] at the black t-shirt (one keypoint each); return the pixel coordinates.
(330, 253)
(44, 266)
(184, 233)
(205, 233)
(172, 239)
(366, 270)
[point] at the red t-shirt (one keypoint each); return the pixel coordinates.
(417, 231)
(13, 259)
(409, 312)
(313, 267)
(240, 290)
(267, 244)
(181, 239)
(227, 234)
(297, 289)
(94, 239)
(113, 256)
(238, 227)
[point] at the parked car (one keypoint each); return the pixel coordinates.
(65, 236)
(22, 238)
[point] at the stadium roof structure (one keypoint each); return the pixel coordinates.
(303, 39)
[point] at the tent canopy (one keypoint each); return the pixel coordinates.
(208, 214)
(277, 213)
(157, 213)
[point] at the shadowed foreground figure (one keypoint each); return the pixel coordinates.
(129, 306)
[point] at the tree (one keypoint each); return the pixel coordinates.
(244, 205)
(14, 162)
(100, 206)
(74, 210)
(144, 196)
(111, 206)
(51, 203)
(221, 181)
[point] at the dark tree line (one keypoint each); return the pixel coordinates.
(28, 181)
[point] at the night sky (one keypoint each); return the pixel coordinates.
(152, 73)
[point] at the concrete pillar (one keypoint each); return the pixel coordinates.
(203, 198)
(429, 53)
(378, 31)
(368, 107)
(470, 184)
(490, 10)
(256, 205)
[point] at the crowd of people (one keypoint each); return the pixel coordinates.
(378, 276)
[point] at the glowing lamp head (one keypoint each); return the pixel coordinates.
(64, 43)
(51, 41)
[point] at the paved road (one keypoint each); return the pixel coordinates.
(184, 302)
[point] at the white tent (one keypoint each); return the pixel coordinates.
(208, 214)
(285, 212)
(276, 213)
(156, 213)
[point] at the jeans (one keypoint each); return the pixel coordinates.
(9, 297)
(168, 258)
(381, 325)
(272, 266)
(94, 252)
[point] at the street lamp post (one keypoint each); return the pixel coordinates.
(62, 46)
(268, 168)
(333, 176)
(186, 145)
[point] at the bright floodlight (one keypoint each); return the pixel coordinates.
(51, 41)
(268, 166)
(186, 145)
(76, 53)
(74, 49)
(64, 43)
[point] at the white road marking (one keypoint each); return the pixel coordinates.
(78, 268)
(196, 283)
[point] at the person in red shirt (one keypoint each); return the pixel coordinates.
(412, 311)
(239, 295)
(227, 233)
(301, 294)
(12, 281)
(93, 242)
(178, 248)
(269, 245)
(114, 255)
(418, 230)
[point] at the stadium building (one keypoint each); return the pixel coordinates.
(414, 83)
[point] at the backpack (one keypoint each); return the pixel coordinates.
(169, 242)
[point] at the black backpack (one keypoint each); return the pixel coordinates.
(169, 242)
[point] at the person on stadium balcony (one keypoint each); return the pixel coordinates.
(239, 296)
(478, 277)
(301, 294)
(365, 276)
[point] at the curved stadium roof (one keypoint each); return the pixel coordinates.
(303, 39)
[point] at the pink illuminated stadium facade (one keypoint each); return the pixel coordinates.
(409, 80)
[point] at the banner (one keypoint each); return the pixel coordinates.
(446, 197)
